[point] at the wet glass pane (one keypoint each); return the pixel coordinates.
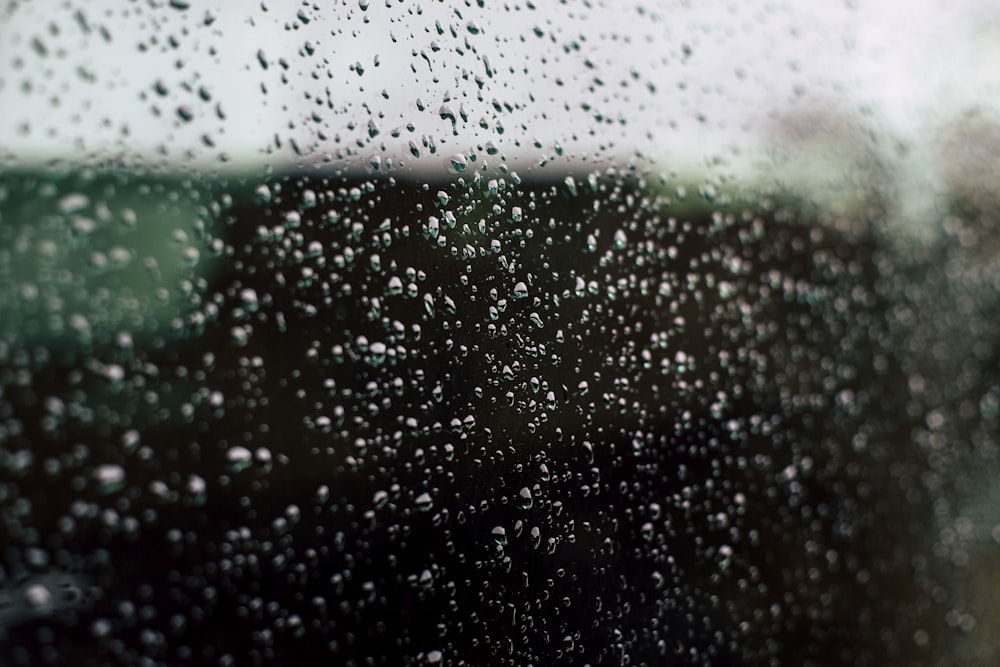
(498, 333)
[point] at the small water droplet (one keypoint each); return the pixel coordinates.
(570, 185)
(424, 502)
(647, 531)
(73, 203)
(249, 298)
(238, 458)
(197, 489)
(239, 336)
(38, 597)
(109, 477)
(457, 163)
(130, 440)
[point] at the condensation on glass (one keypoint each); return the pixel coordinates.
(498, 333)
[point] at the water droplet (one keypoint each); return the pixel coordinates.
(249, 298)
(394, 287)
(109, 477)
(197, 489)
(38, 597)
(433, 227)
(647, 531)
(130, 440)
(377, 353)
(238, 458)
(73, 203)
(446, 113)
(457, 163)
(239, 336)
(570, 185)
(101, 628)
(424, 502)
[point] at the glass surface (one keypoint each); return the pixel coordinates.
(499, 333)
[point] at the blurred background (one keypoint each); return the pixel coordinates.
(499, 333)
(217, 86)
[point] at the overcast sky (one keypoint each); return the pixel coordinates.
(182, 82)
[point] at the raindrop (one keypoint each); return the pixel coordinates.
(239, 335)
(38, 597)
(130, 440)
(109, 478)
(196, 489)
(457, 163)
(73, 203)
(238, 458)
(570, 185)
(248, 297)
(424, 502)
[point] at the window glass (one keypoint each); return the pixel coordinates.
(465, 333)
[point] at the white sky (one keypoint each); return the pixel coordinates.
(684, 82)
